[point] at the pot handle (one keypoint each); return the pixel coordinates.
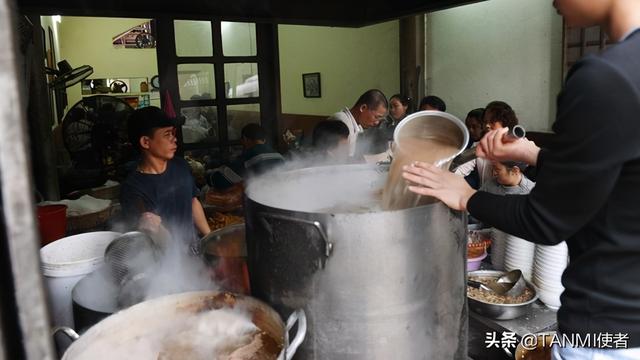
(300, 317)
(69, 332)
(328, 245)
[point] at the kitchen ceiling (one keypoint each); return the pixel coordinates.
(354, 13)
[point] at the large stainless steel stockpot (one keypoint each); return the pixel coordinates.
(374, 284)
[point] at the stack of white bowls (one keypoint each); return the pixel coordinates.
(549, 264)
(498, 248)
(519, 256)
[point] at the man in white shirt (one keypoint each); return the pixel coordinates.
(368, 111)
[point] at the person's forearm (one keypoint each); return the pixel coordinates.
(199, 219)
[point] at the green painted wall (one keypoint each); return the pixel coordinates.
(87, 41)
(350, 61)
(497, 50)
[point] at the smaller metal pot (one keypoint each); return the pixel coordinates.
(129, 326)
(84, 317)
(542, 351)
(225, 252)
(500, 311)
(94, 298)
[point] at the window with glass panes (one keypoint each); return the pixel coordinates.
(214, 73)
(578, 42)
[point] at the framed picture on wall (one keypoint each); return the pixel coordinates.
(311, 85)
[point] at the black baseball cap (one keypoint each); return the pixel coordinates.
(143, 121)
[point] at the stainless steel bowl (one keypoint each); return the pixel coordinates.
(500, 311)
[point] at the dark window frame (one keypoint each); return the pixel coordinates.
(586, 40)
(266, 59)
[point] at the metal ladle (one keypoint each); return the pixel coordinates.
(509, 284)
(515, 133)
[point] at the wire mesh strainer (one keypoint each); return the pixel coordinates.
(130, 254)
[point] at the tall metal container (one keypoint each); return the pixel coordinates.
(374, 284)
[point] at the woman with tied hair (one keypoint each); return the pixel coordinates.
(399, 108)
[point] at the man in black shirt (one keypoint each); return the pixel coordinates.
(160, 194)
(588, 184)
(257, 158)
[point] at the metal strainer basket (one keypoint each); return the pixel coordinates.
(130, 254)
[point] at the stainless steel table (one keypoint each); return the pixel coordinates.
(538, 319)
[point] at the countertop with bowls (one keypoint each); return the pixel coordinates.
(538, 318)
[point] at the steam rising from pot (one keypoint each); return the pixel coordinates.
(176, 270)
(344, 189)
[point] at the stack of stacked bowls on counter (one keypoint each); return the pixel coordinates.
(519, 256)
(550, 262)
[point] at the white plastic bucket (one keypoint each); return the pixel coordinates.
(64, 262)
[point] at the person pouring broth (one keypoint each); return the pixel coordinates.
(587, 187)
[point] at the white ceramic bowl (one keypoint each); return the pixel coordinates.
(549, 298)
(548, 287)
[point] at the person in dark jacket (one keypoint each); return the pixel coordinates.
(330, 142)
(476, 126)
(587, 187)
(256, 158)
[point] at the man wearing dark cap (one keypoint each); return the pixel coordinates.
(160, 195)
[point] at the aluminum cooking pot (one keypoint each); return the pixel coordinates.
(93, 299)
(374, 284)
(225, 252)
(122, 332)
